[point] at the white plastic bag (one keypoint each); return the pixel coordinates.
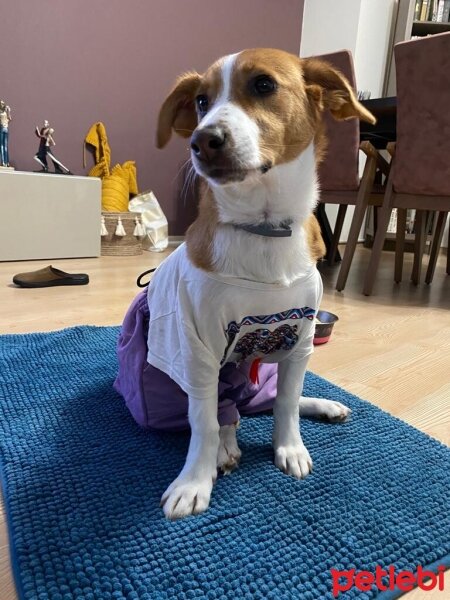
(153, 219)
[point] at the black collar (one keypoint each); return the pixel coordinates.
(268, 229)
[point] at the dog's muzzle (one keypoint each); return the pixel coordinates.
(213, 156)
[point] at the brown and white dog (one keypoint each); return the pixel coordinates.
(255, 122)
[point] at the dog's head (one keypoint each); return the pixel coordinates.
(254, 110)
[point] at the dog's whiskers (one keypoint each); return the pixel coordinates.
(189, 180)
(183, 166)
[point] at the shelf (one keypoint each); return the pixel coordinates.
(429, 27)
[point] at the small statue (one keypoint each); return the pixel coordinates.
(45, 135)
(5, 118)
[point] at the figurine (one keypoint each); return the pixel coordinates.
(5, 118)
(45, 134)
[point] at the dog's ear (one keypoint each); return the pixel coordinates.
(178, 110)
(330, 90)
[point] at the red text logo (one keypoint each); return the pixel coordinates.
(402, 580)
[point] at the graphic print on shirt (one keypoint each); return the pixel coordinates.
(265, 340)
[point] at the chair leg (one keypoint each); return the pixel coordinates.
(431, 229)
(376, 212)
(325, 228)
(350, 246)
(362, 202)
(383, 221)
(419, 246)
(435, 246)
(400, 244)
(337, 234)
(448, 253)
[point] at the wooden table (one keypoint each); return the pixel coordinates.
(385, 129)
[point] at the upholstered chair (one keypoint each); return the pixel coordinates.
(339, 173)
(420, 168)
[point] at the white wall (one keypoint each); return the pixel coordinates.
(329, 25)
(361, 26)
(372, 44)
(364, 28)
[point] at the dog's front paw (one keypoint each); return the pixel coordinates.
(334, 412)
(229, 454)
(326, 410)
(186, 497)
(293, 460)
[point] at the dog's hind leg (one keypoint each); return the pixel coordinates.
(326, 410)
(229, 454)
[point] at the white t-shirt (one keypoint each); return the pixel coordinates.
(199, 321)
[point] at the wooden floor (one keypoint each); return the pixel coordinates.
(392, 349)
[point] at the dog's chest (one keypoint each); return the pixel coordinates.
(200, 321)
(245, 320)
(267, 260)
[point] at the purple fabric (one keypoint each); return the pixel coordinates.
(157, 401)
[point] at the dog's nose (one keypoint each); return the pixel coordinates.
(207, 142)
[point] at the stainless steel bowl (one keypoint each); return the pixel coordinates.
(324, 327)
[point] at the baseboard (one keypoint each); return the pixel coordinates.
(176, 240)
(389, 244)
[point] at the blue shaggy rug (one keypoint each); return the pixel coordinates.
(82, 485)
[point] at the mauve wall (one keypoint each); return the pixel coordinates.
(82, 61)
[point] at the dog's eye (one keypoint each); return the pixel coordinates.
(263, 85)
(202, 103)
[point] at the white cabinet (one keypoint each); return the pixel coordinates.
(48, 216)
